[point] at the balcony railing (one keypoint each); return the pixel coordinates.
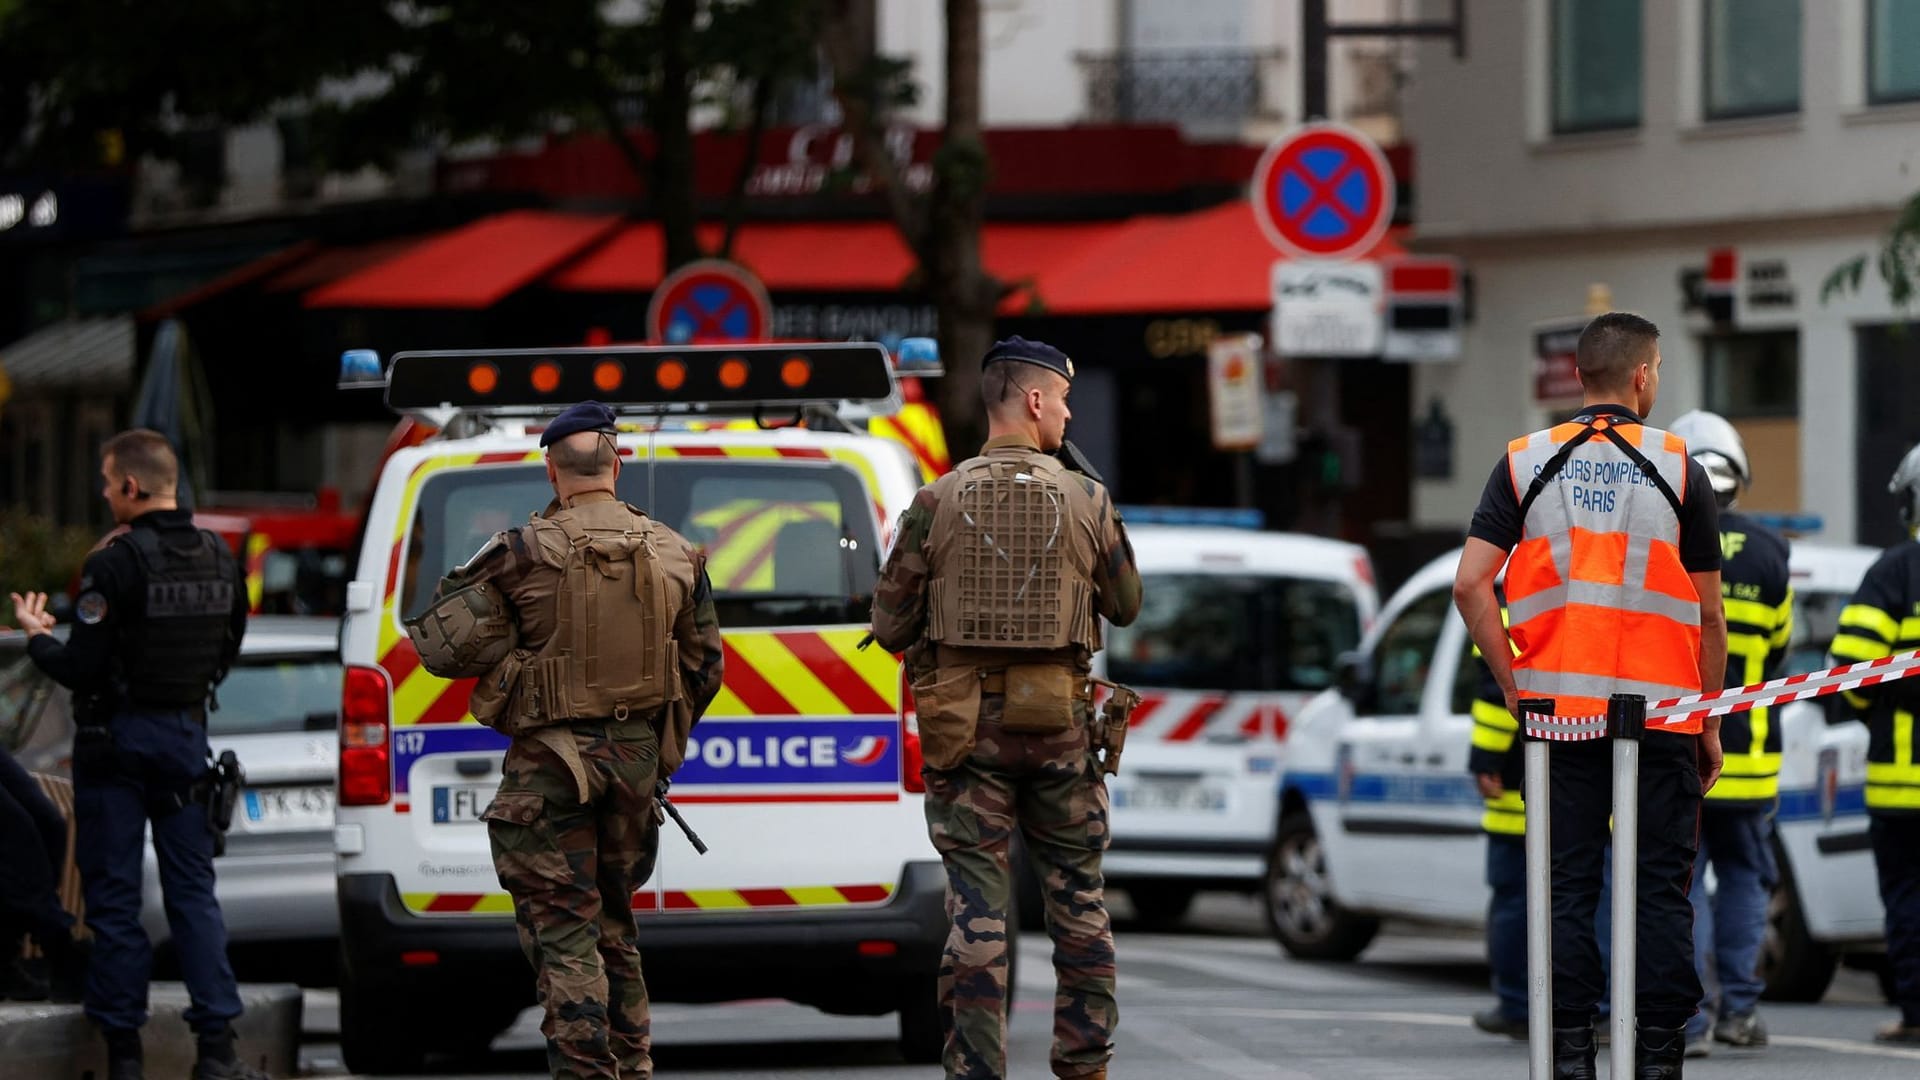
(1199, 87)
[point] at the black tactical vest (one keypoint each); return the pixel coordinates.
(172, 655)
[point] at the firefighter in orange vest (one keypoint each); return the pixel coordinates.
(1610, 537)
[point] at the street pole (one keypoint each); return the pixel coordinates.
(1316, 35)
(1538, 799)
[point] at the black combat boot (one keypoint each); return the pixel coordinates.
(1573, 1054)
(1659, 1053)
(124, 1060)
(218, 1061)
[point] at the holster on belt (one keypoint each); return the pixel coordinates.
(1110, 727)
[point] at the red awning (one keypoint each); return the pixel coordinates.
(1211, 260)
(844, 256)
(474, 266)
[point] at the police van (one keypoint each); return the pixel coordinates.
(1380, 818)
(820, 885)
(1238, 630)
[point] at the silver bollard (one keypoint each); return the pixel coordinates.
(1539, 898)
(1626, 723)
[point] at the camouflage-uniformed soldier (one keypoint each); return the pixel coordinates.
(994, 589)
(619, 654)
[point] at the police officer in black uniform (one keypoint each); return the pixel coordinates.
(157, 623)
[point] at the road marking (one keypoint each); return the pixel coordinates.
(1842, 1046)
(1836, 1046)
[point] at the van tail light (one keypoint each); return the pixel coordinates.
(366, 765)
(910, 759)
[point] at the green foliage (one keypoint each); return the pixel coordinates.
(80, 76)
(507, 69)
(38, 556)
(1898, 262)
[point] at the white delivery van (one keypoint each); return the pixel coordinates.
(1380, 818)
(1238, 630)
(821, 885)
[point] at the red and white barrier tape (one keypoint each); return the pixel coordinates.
(1678, 712)
(1566, 728)
(1780, 691)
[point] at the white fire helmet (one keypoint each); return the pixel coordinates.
(1716, 445)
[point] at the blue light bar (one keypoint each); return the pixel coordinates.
(917, 356)
(1220, 517)
(1790, 523)
(361, 367)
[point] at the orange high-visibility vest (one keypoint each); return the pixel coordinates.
(1599, 601)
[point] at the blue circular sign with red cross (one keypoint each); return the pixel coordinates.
(1324, 191)
(709, 301)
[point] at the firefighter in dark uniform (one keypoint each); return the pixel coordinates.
(157, 623)
(1882, 619)
(1736, 821)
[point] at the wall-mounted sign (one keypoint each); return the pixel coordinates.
(1423, 308)
(1769, 285)
(1555, 374)
(1234, 381)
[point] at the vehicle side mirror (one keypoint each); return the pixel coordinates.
(1353, 675)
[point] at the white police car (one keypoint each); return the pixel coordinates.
(1380, 819)
(1238, 630)
(821, 885)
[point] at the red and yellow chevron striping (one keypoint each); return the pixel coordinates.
(769, 673)
(497, 903)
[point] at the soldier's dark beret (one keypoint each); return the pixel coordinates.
(586, 416)
(1037, 353)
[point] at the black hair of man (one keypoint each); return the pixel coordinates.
(1611, 347)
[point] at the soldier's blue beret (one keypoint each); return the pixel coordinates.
(586, 416)
(1037, 353)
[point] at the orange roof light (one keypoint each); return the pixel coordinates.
(483, 377)
(733, 373)
(795, 372)
(608, 375)
(546, 376)
(671, 375)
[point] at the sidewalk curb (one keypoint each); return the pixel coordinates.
(58, 1042)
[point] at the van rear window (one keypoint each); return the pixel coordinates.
(1234, 632)
(787, 543)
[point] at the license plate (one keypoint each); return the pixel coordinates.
(287, 809)
(458, 803)
(1179, 798)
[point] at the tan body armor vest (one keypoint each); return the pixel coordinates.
(1013, 554)
(623, 582)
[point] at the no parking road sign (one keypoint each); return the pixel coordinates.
(1323, 192)
(710, 300)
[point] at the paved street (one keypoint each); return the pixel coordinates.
(1219, 1000)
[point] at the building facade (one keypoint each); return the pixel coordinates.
(1709, 164)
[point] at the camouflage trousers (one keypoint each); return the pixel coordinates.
(1051, 789)
(572, 869)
